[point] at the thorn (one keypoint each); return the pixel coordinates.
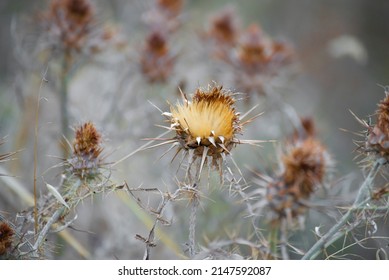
(224, 148)
(212, 140)
(205, 152)
(221, 139)
(198, 139)
(167, 114)
(213, 132)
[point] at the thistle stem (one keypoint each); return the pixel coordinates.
(325, 241)
(64, 88)
(192, 226)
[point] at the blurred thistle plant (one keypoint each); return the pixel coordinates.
(71, 29)
(371, 202)
(303, 167)
(165, 14)
(222, 33)
(258, 58)
(156, 59)
(376, 137)
(85, 175)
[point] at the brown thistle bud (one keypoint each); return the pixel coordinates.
(156, 62)
(6, 235)
(86, 150)
(69, 22)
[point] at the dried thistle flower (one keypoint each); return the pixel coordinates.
(69, 23)
(156, 60)
(222, 33)
(206, 126)
(86, 150)
(258, 58)
(377, 136)
(304, 166)
(6, 237)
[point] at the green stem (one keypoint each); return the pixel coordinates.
(325, 240)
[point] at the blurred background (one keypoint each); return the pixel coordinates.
(342, 56)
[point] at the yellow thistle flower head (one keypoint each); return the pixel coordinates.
(208, 121)
(206, 128)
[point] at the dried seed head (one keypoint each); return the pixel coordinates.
(258, 58)
(209, 120)
(378, 135)
(6, 235)
(86, 150)
(69, 22)
(254, 48)
(156, 61)
(305, 164)
(223, 28)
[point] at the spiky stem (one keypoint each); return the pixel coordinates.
(326, 240)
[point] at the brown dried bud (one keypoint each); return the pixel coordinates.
(87, 141)
(69, 22)
(6, 234)
(305, 166)
(86, 150)
(156, 61)
(378, 135)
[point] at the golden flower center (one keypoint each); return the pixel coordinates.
(206, 118)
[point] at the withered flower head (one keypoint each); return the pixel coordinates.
(259, 58)
(377, 142)
(69, 22)
(305, 164)
(254, 47)
(156, 61)
(223, 27)
(86, 150)
(6, 234)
